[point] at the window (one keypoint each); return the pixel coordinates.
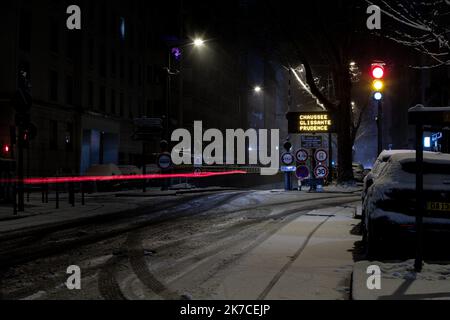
(113, 64)
(54, 36)
(53, 83)
(91, 52)
(122, 67)
(121, 105)
(91, 95)
(102, 98)
(113, 101)
(130, 108)
(102, 61)
(25, 30)
(68, 139)
(53, 138)
(131, 71)
(69, 90)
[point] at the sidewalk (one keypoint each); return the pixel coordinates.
(42, 216)
(308, 259)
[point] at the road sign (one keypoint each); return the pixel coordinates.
(436, 136)
(164, 161)
(288, 169)
(310, 122)
(321, 172)
(287, 159)
(302, 172)
(197, 170)
(302, 155)
(312, 142)
(321, 155)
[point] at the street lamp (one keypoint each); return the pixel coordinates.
(199, 42)
(257, 89)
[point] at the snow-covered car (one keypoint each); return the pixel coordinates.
(390, 202)
(358, 171)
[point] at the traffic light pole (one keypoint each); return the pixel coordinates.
(380, 126)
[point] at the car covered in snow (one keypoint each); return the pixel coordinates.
(358, 171)
(389, 206)
(377, 167)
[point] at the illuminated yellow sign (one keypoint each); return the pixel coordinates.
(311, 122)
(314, 123)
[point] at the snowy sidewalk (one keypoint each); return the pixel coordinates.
(399, 282)
(310, 258)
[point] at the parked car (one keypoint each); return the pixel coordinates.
(390, 202)
(358, 171)
(104, 170)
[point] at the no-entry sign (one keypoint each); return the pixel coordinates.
(164, 161)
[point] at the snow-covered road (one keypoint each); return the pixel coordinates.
(229, 245)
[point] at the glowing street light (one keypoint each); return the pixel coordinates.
(257, 89)
(199, 42)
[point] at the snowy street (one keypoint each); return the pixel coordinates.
(241, 244)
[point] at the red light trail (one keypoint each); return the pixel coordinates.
(57, 180)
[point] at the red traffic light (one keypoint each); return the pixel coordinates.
(377, 71)
(5, 149)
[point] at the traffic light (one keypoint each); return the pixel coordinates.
(6, 150)
(378, 72)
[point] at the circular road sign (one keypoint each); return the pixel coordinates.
(287, 159)
(198, 171)
(321, 155)
(302, 155)
(321, 172)
(164, 161)
(302, 172)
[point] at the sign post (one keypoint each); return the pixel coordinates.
(421, 117)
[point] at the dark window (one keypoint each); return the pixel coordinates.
(149, 74)
(121, 105)
(130, 108)
(131, 72)
(54, 36)
(91, 95)
(122, 67)
(53, 138)
(53, 83)
(91, 52)
(113, 64)
(69, 90)
(139, 75)
(68, 139)
(102, 98)
(113, 101)
(149, 109)
(25, 30)
(102, 61)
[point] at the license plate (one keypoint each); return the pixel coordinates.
(438, 206)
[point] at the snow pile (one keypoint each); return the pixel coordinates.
(405, 271)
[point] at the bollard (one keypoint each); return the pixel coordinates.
(57, 196)
(15, 200)
(82, 195)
